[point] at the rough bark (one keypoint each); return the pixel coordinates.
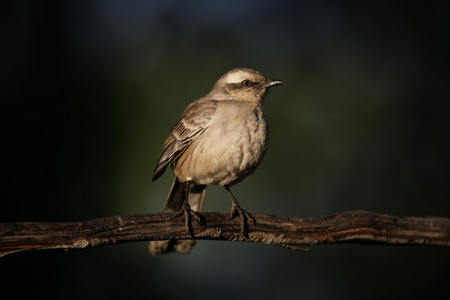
(290, 232)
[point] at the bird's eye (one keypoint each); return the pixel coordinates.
(246, 82)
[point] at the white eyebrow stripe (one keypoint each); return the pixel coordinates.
(236, 77)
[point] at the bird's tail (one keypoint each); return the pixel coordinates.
(173, 204)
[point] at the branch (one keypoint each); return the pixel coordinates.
(353, 226)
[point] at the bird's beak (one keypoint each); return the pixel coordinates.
(272, 83)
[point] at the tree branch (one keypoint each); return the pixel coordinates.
(353, 226)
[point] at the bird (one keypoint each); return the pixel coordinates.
(220, 139)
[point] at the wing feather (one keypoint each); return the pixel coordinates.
(195, 119)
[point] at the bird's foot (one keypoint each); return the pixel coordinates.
(245, 216)
(188, 213)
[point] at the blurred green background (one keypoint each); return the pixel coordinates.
(90, 89)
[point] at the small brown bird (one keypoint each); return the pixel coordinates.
(220, 139)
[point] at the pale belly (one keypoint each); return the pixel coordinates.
(225, 153)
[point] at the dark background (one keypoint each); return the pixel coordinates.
(90, 89)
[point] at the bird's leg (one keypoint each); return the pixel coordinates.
(188, 212)
(236, 209)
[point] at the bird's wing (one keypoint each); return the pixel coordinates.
(193, 122)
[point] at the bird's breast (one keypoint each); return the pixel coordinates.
(228, 150)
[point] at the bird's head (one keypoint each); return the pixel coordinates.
(244, 85)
